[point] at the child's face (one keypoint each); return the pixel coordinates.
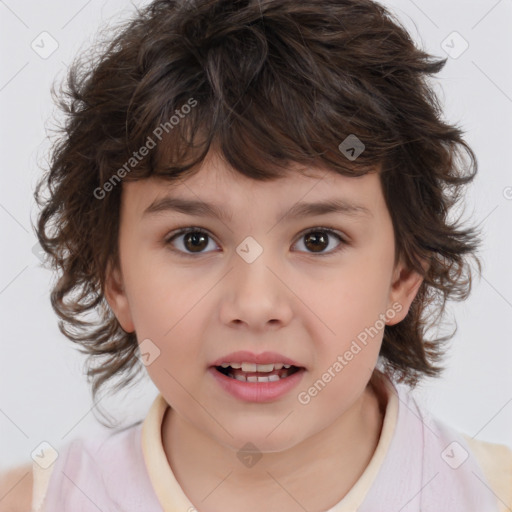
(299, 298)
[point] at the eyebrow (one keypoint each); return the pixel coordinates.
(201, 208)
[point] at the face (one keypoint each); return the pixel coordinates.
(315, 289)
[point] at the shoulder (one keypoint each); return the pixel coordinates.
(496, 463)
(16, 489)
(490, 462)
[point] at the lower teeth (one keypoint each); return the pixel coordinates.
(255, 378)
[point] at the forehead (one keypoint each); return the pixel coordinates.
(217, 184)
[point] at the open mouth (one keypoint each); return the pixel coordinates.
(271, 375)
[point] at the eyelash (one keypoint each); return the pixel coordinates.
(323, 229)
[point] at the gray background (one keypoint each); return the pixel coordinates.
(44, 395)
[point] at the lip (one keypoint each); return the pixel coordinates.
(244, 356)
(257, 391)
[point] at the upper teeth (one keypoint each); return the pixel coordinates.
(253, 367)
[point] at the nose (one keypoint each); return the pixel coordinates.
(255, 294)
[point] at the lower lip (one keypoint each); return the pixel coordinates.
(257, 391)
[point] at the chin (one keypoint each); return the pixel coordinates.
(260, 441)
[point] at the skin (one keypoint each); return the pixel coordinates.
(291, 300)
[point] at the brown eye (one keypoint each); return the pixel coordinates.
(195, 241)
(316, 241)
(189, 241)
(319, 239)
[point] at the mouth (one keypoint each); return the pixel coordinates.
(253, 373)
(257, 377)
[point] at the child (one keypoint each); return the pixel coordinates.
(263, 128)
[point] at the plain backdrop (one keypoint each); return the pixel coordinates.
(44, 395)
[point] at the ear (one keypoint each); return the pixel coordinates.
(405, 286)
(117, 299)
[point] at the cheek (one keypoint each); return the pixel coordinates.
(348, 301)
(159, 293)
(167, 318)
(344, 315)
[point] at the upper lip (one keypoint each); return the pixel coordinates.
(244, 356)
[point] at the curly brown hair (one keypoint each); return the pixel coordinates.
(267, 83)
